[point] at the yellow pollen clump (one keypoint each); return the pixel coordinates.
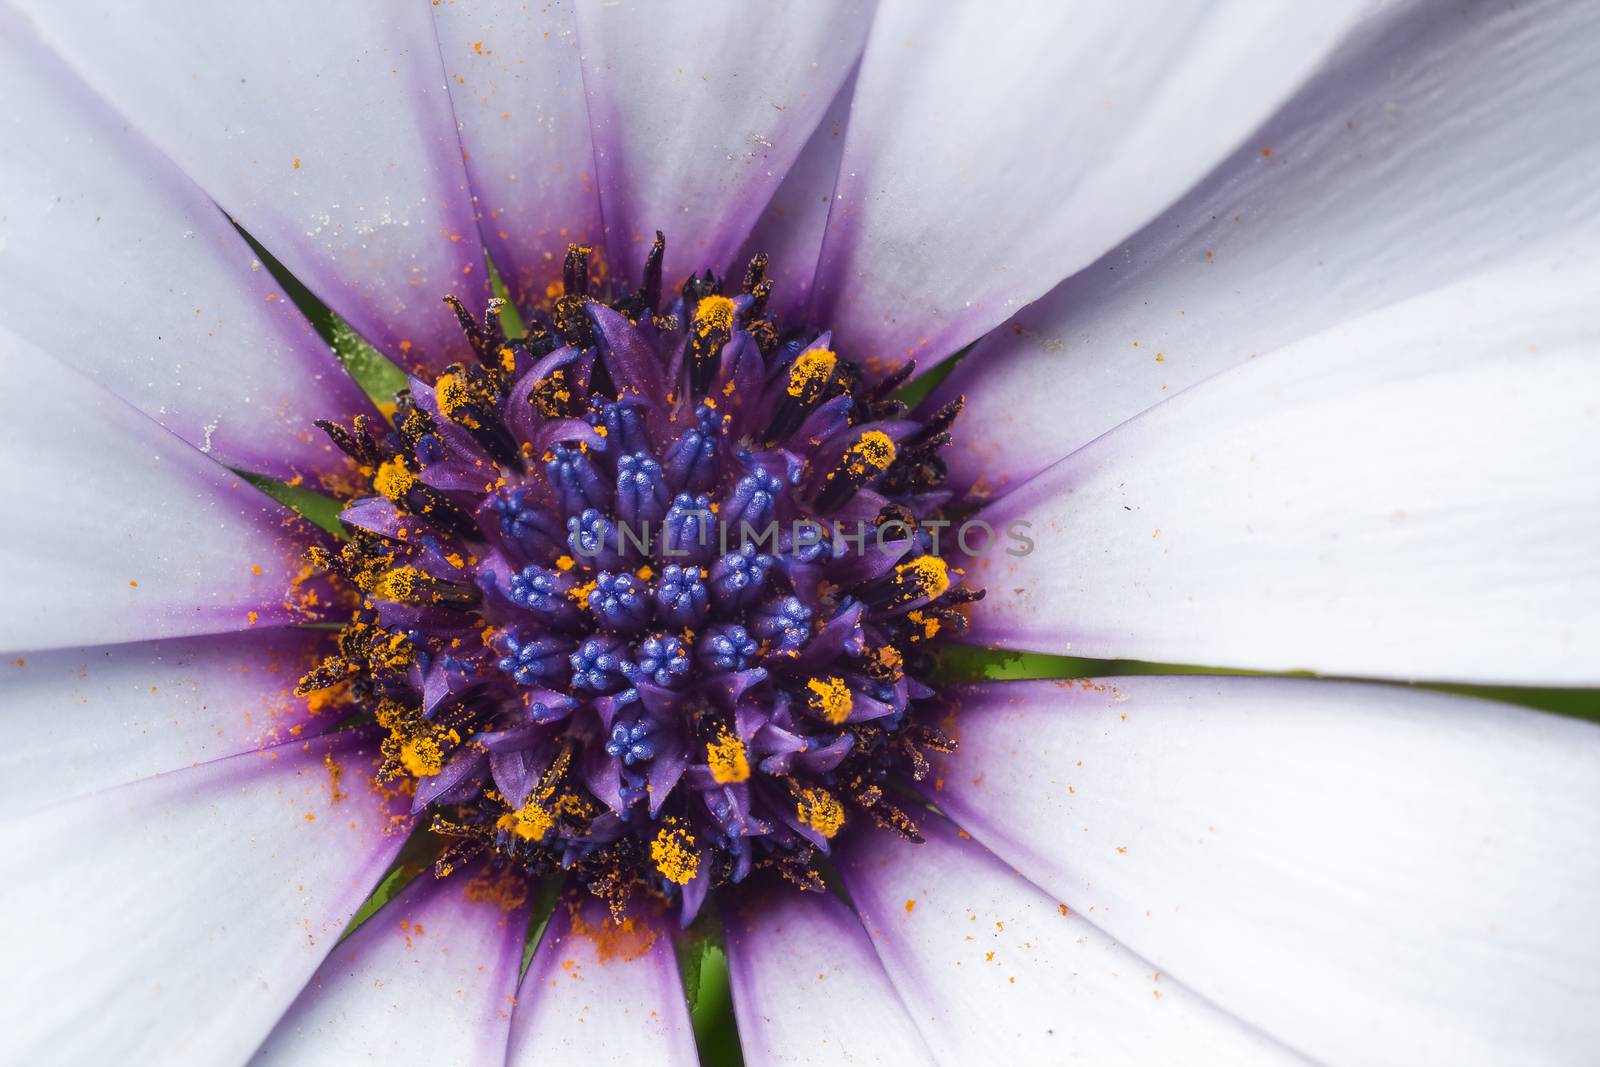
(530, 822)
(889, 658)
(674, 855)
(928, 575)
(810, 372)
(830, 698)
(713, 313)
(421, 756)
(401, 584)
(820, 810)
(870, 455)
(726, 756)
(454, 397)
(393, 480)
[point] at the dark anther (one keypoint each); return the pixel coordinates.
(570, 319)
(871, 455)
(417, 588)
(498, 442)
(700, 286)
(755, 273)
(568, 312)
(470, 398)
(357, 443)
(887, 815)
(940, 421)
(709, 330)
(442, 511)
(813, 377)
(886, 388)
(930, 737)
(703, 360)
(411, 421)
(329, 673)
(575, 270)
(486, 339)
(650, 292)
(798, 873)
(541, 338)
(765, 334)
(758, 299)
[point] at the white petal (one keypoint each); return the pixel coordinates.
(173, 920)
(599, 993)
(95, 718)
(808, 989)
(994, 971)
(518, 93)
(1415, 494)
(995, 149)
(114, 262)
(325, 130)
(697, 119)
(1370, 874)
(790, 228)
(429, 980)
(1444, 144)
(115, 530)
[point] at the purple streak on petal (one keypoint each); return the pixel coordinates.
(95, 718)
(597, 993)
(337, 150)
(173, 920)
(962, 936)
(118, 531)
(1460, 551)
(989, 158)
(790, 228)
(518, 94)
(807, 986)
(430, 978)
(1181, 300)
(116, 263)
(696, 121)
(1368, 828)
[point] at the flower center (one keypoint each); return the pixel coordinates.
(645, 594)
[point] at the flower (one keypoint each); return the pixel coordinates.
(1282, 334)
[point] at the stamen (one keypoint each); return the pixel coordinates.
(601, 648)
(820, 810)
(921, 580)
(863, 461)
(674, 855)
(831, 699)
(531, 822)
(727, 759)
